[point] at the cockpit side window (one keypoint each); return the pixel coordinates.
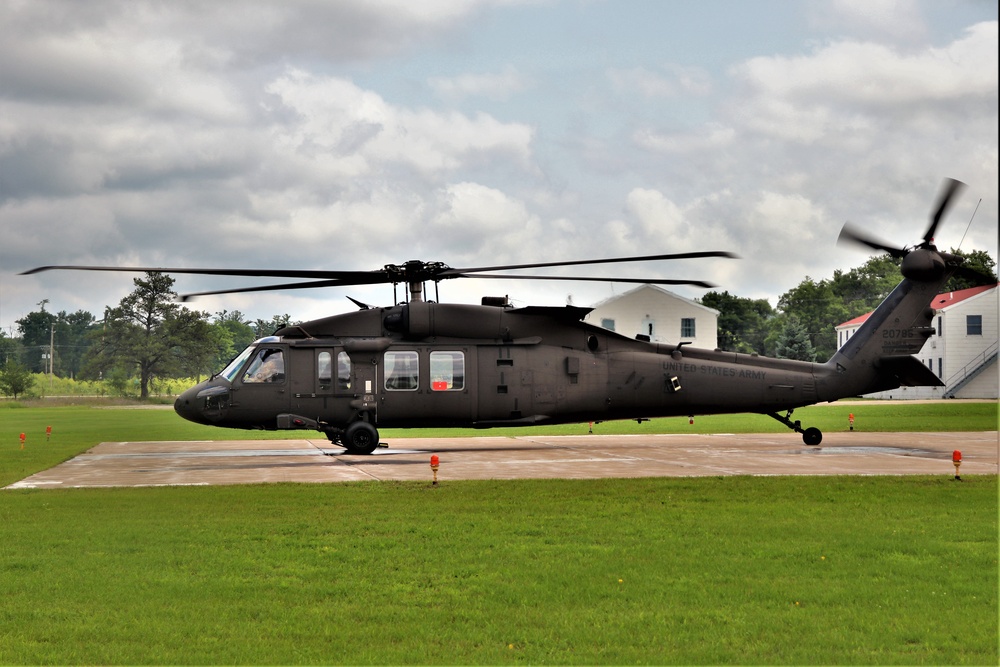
(323, 370)
(343, 371)
(268, 365)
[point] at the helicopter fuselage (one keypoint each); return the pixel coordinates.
(452, 365)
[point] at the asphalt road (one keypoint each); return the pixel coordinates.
(112, 464)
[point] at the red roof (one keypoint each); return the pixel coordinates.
(941, 301)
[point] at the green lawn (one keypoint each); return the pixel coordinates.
(746, 570)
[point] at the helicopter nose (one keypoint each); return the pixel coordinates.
(202, 404)
(186, 405)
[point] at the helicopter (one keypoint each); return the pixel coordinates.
(422, 363)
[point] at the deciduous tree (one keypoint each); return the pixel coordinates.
(742, 321)
(818, 310)
(15, 378)
(151, 334)
(980, 262)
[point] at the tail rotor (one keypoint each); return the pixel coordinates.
(923, 261)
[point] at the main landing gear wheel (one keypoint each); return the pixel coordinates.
(360, 438)
(812, 436)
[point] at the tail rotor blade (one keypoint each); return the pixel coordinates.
(950, 188)
(852, 234)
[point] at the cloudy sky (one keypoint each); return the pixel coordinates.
(350, 135)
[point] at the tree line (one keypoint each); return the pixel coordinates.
(149, 336)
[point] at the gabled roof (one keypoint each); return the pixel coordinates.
(656, 288)
(948, 299)
(942, 301)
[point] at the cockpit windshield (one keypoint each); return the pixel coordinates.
(230, 372)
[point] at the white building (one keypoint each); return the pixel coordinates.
(962, 350)
(662, 316)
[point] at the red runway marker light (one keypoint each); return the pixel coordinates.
(435, 463)
(956, 456)
(48, 432)
(22, 441)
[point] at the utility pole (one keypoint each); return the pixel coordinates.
(52, 349)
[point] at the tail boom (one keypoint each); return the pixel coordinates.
(879, 356)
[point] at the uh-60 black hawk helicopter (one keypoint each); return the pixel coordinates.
(423, 363)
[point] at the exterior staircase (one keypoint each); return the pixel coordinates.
(970, 371)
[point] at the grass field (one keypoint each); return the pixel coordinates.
(747, 570)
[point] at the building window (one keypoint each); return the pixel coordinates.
(940, 327)
(687, 327)
(973, 325)
(608, 323)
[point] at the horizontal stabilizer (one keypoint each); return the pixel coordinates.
(909, 372)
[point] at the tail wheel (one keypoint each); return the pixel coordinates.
(812, 436)
(360, 438)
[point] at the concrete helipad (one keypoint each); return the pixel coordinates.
(530, 456)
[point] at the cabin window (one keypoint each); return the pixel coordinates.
(323, 371)
(608, 323)
(343, 371)
(447, 371)
(401, 371)
(687, 327)
(267, 366)
(973, 325)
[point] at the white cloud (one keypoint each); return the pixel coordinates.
(353, 132)
(475, 220)
(849, 85)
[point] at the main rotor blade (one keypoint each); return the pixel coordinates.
(644, 281)
(854, 235)
(369, 277)
(646, 258)
(273, 288)
(949, 189)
